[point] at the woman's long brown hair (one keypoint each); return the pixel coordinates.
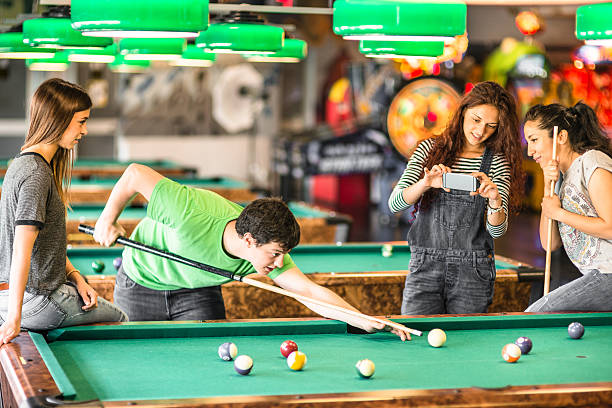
(52, 108)
(505, 141)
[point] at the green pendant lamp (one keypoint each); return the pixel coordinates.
(13, 47)
(105, 56)
(399, 20)
(123, 66)
(194, 56)
(58, 33)
(594, 24)
(241, 38)
(401, 49)
(59, 62)
(241, 32)
(293, 51)
(152, 49)
(140, 18)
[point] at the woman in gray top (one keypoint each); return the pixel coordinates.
(582, 212)
(39, 287)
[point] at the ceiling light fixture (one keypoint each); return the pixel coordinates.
(140, 18)
(399, 20)
(594, 24)
(152, 49)
(294, 50)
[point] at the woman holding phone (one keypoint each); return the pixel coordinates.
(452, 268)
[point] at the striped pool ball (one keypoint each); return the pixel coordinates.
(296, 360)
(511, 353)
(243, 364)
(228, 351)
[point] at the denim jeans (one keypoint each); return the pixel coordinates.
(590, 293)
(61, 308)
(142, 304)
(448, 281)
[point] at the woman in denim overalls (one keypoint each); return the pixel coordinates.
(452, 268)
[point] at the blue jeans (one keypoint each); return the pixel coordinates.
(590, 293)
(448, 281)
(61, 308)
(142, 304)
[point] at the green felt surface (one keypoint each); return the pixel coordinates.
(188, 365)
(309, 258)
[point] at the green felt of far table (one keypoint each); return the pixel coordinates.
(334, 259)
(357, 272)
(119, 365)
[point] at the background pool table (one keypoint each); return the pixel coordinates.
(357, 272)
(97, 190)
(317, 225)
(86, 168)
(177, 364)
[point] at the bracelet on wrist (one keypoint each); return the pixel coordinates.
(491, 210)
(73, 271)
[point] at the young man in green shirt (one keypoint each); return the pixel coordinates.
(203, 226)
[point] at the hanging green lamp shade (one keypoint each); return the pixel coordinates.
(399, 20)
(594, 23)
(399, 49)
(59, 62)
(194, 56)
(241, 38)
(140, 18)
(104, 56)
(13, 47)
(58, 33)
(293, 51)
(121, 65)
(152, 49)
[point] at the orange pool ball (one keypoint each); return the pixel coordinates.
(511, 353)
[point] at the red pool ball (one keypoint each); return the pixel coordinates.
(288, 347)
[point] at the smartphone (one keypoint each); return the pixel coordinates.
(460, 181)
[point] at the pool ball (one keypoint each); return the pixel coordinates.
(97, 266)
(243, 364)
(228, 351)
(365, 368)
(436, 338)
(524, 344)
(296, 360)
(511, 353)
(575, 330)
(387, 250)
(117, 262)
(288, 347)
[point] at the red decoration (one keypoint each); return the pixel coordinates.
(528, 22)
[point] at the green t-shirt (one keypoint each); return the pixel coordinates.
(189, 222)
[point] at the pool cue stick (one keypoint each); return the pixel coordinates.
(227, 274)
(550, 222)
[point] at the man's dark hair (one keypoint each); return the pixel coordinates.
(269, 220)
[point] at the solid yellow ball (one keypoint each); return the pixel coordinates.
(436, 338)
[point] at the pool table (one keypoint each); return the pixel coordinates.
(357, 272)
(87, 168)
(176, 364)
(318, 225)
(97, 190)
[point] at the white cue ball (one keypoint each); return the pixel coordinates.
(365, 368)
(436, 338)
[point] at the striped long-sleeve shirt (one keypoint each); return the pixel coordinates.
(499, 174)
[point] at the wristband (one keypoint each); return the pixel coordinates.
(72, 271)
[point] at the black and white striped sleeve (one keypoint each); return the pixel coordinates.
(500, 175)
(411, 175)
